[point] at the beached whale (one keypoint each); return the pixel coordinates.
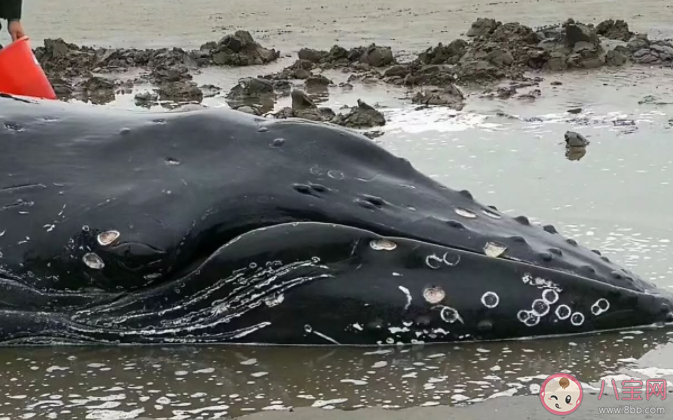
(214, 226)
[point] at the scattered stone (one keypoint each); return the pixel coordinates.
(617, 57)
(300, 69)
(531, 96)
(181, 91)
(449, 54)
(98, 90)
(449, 96)
(639, 42)
(251, 87)
(377, 56)
(653, 100)
(663, 50)
(558, 61)
(361, 116)
(63, 62)
(167, 74)
(575, 111)
(645, 56)
(577, 32)
(482, 27)
(373, 134)
(556, 83)
(431, 75)
(618, 30)
(210, 91)
(576, 145)
(301, 101)
(500, 58)
(397, 71)
(314, 82)
(239, 49)
(311, 55)
(574, 139)
(504, 92)
(146, 99)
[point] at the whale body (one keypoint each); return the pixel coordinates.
(214, 226)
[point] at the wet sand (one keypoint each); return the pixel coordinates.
(509, 408)
(507, 152)
(290, 25)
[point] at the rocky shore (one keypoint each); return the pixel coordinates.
(491, 54)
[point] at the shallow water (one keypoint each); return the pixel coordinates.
(508, 153)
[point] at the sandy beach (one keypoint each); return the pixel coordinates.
(292, 25)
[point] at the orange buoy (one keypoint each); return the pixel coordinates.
(21, 73)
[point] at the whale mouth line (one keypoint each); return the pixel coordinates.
(385, 234)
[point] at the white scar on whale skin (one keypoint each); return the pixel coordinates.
(408, 294)
(596, 307)
(540, 283)
(321, 335)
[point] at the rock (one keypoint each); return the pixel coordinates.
(210, 91)
(441, 54)
(639, 42)
(575, 111)
(95, 90)
(251, 87)
(645, 56)
(591, 63)
(162, 74)
(479, 72)
(531, 96)
(506, 92)
(584, 46)
(327, 113)
(311, 55)
(240, 49)
(337, 53)
(665, 51)
(557, 62)
(574, 139)
(181, 91)
(482, 27)
(373, 134)
(557, 83)
(317, 82)
(431, 75)
(301, 101)
(300, 69)
(361, 116)
(616, 57)
(618, 30)
(397, 71)
(377, 56)
(282, 86)
(62, 88)
(449, 96)
(58, 48)
(500, 58)
(653, 100)
(577, 32)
